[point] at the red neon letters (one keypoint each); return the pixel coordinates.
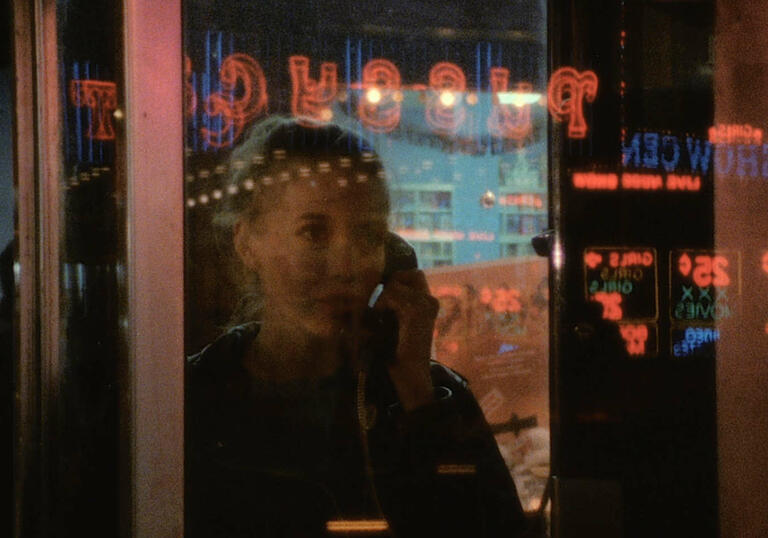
(595, 181)
(706, 270)
(243, 97)
(765, 262)
(611, 302)
(312, 98)
(101, 97)
(190, 96)
(509, 121)
(447, 82)
(635, 336)
(635, 181)
(236, 70)
(567, 91)
(378, 109)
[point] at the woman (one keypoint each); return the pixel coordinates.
(303, 421)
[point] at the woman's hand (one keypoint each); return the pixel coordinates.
(407, 295)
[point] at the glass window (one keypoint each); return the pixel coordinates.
(427, 116)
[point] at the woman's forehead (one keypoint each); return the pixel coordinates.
(327, 194)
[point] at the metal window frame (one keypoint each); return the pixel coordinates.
(153, 353)
(155, 264)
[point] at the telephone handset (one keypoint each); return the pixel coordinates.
(399, 256)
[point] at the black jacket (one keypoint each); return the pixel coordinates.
(295, 461)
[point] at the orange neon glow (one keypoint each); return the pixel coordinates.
(312, 98)
(522, 200)
(683, 182)
(501, 299)
(611, 302)
(630, 258)
(725, 133)
(648, 182)
(592, 259)
(568, 89)
(380, 115)
(508, 121)
(447, 291)
(711, 270)
(101, 97)
(635, 337)
(684, 265)
(243, 72)
(357, 525)
(764, 262)
(595, 181)
(445, 118)
(190, 96)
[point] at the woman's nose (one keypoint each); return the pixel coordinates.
(343, 259)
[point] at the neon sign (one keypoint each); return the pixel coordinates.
(694, 341)
(623, 281)
(380, 110)
(504, 121)
(447, 82)
(237, 70)
(651, 150)
(522, 200)
(640, 339)
(598, 181)
(764, 262)
(243, 97)
(501, 299)
(567, 91)
(702, 285)
(312, 98)
(735, 134)
(100, 97)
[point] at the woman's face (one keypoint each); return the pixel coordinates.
(318, 251)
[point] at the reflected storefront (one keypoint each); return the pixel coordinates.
(615, 369)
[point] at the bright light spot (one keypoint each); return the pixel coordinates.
(232, 189)
(373, 96)
(248, 184)
(447, 99)
(203, 199)
(356, 525)
(216, 194)
(118, 114)
(191, 202)
(326, 114)
(518, 99)
(472, 99)
(557, 254)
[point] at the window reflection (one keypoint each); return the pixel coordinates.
(453, 109)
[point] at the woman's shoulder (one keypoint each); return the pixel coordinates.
(222, 355)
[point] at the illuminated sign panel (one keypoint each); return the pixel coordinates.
(704, 285)
(623, 280)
